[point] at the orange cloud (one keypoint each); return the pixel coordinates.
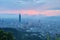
(32, 12)
(51, 12)
(45, 12)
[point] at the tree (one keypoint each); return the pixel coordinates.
(6, 35)
(57, 37)
(48, 36)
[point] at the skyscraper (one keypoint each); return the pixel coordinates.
(19, 17)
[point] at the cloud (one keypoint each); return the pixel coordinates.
(9, 12)
(30, 4)
(41, 4)
(46, 12)
(21, 4)
(51, 12)
(30, 12)
(9, 4)
(52, 4)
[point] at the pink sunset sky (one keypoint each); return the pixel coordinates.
(32, 12)
(46, 12)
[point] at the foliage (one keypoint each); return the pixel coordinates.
(57, 37)
(48, 36)
(6, 35)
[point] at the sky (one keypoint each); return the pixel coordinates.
(30, 7)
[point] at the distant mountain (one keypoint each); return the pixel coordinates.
(14, 16)
(42, 18)
(33, 16)
(52, 18)
(37, 16)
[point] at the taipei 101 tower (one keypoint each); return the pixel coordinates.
(19, 18)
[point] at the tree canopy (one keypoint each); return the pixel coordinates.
(6, 35)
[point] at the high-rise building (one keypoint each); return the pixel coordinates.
(19, 17)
